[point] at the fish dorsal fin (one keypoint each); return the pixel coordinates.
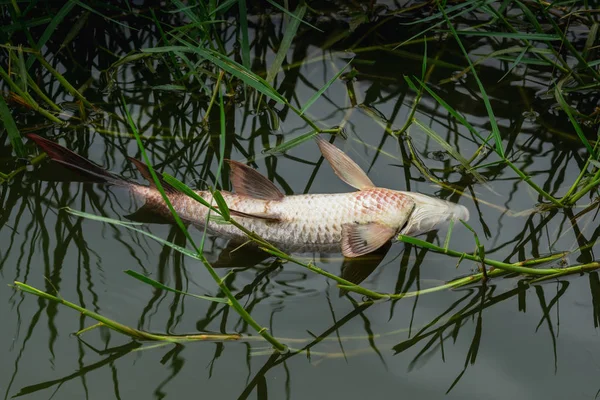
(249, 182)
(343, 166)
(362, 239)
(145, 171)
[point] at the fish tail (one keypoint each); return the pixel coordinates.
(80, 165)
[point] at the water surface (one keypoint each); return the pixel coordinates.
(499, 339)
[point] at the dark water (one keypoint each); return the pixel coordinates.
(503, 339)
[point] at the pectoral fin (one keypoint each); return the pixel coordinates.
(249, 182)
(343, 166)
(362, 239)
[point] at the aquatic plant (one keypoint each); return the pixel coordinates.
(207, 58)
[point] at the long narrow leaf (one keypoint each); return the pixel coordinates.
(292, 15)
(285, 146)
(225, 63)
(318, 94)
(449, 149)
(286, 42)
(245, 45)
(158, 285)
(11, 127)
(484, 96)
(50, 28)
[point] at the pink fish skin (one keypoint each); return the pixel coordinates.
(354, 223)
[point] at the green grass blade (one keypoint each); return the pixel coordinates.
(22, 70)
(286, 42)
(318, 94)
(158, 285)
(447, 106)
(14, 136)
(75, 29)
(567, 109)
(63, 81)
(222, 205)
(544, 37)
(449, 149)
(225, 63)
(293, 16)
(439, 14)
(50, 28)
(224, 7)
(132, 226)
(123, 329)
(90, 9)
(484, 96)
(285, 146)
(516, 62)
(245, 44)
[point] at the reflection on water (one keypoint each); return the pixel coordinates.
(496, 339)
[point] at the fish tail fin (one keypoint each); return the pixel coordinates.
(84, 167)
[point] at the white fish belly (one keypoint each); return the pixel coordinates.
(304, 222)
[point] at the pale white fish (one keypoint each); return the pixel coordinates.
(354, 223)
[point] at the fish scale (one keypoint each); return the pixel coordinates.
(311, 222)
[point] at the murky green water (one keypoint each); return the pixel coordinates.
(495, 340)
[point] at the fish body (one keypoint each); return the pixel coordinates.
(297, 223)
(355, 223)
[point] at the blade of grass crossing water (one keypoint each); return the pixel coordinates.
(449, 149)
(285, 146)
(318, 94)
(63, 81)
(448, 108)
(232, 300)
(292, 15)
(484, 96)
(567, 109)
(225, 63)
(50, 28)
(245, 44)
(14, 136)
(545, 37)
(158, 285)
(123, 329)
(286, 42)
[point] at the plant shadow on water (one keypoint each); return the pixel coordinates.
(509, 309)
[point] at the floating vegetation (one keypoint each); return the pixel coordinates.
(493, 105)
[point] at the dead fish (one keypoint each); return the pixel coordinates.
(354, 223)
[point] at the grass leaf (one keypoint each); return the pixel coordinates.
(14, 136)
(292, 15)
(159, 285)
(245, 44)
(286, 42)
(50, 28)
(222, 205)
(225, 63)
(484, 96)
(285, 146)
(567, 109)
(546, 37)
(318, 94)
(450, 150)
